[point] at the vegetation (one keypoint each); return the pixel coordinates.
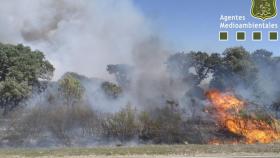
(67, 116)
(70, 89)
(166, 127)
(121, 125)
(111, 90)
(122, 73)
(149, 151)
(21, 71)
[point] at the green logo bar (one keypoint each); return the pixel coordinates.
(257, 36)
(223, 36)
(264, 9)
(273, 36)
(240, 36)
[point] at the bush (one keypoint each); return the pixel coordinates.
(71, 89)
(61, 122)
(111, 90)
(121, 125)
(163, 125)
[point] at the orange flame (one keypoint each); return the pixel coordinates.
(227, 110)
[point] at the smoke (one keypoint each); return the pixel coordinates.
(267, 83)
(151, 84)
(85, 36)
(76, 35)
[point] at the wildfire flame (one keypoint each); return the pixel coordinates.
(227, 109)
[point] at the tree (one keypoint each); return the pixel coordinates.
(71, 89)
(122, 73)
(204, 64)
(261, 55)
(235, 68)
(192, 67)
(178, 65)
(111, 89)
(267, 79)
(21, 72)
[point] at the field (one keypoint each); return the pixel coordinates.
(149, 151)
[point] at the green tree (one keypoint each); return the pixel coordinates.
(122, 74)
(179, 64)
(111, 89)
(71, 89)
(192, 67)
(204, 64)
(261, 55)
(21, 72)
(235, 68)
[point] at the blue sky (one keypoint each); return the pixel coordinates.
(194, 24)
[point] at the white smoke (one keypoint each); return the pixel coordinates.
(84, 36)
(76, 35)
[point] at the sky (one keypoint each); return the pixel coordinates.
(194, 24)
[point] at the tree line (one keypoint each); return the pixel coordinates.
(66, 113)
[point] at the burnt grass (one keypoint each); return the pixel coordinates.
(186, 150)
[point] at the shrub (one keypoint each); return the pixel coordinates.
(71, 90)
(121, 125)
(62, 122)
(111, 89)
(163, 125)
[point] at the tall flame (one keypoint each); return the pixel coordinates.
(227, 110)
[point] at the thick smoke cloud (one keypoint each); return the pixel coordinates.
(84, 36)
(77, 35)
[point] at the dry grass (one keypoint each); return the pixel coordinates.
(161, 151)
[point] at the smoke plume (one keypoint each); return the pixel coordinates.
(76, 35)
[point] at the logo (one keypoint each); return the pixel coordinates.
(264, 9)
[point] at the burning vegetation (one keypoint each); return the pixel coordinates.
(156, 101)
(230, 113)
